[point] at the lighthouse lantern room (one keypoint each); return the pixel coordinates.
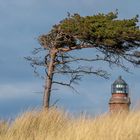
(119, 100)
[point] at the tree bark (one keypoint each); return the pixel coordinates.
(49, 79)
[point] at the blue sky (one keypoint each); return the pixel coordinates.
(21, 22)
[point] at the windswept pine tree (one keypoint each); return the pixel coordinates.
(115, 40)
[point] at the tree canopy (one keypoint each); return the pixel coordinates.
(103, 31)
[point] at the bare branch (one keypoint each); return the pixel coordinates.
(35, 61)
(37, 50)
(105, 59)
(85, 70)
(55, 103)
(66, 84)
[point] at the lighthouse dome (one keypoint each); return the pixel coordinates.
(120, 86)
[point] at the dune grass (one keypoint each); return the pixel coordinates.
(57, 125)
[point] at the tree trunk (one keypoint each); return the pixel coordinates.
(49, 79)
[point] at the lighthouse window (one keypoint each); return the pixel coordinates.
(119, 86)
(119, 91)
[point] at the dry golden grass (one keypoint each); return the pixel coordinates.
(57, 125)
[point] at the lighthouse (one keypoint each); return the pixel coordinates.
(120, 100)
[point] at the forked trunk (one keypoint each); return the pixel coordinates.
(49, 79)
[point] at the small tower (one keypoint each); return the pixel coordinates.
(120, 100)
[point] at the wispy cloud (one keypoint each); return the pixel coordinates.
(20, 90)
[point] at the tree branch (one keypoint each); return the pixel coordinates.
(85, 70)
(67, 49)
(66, 84)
